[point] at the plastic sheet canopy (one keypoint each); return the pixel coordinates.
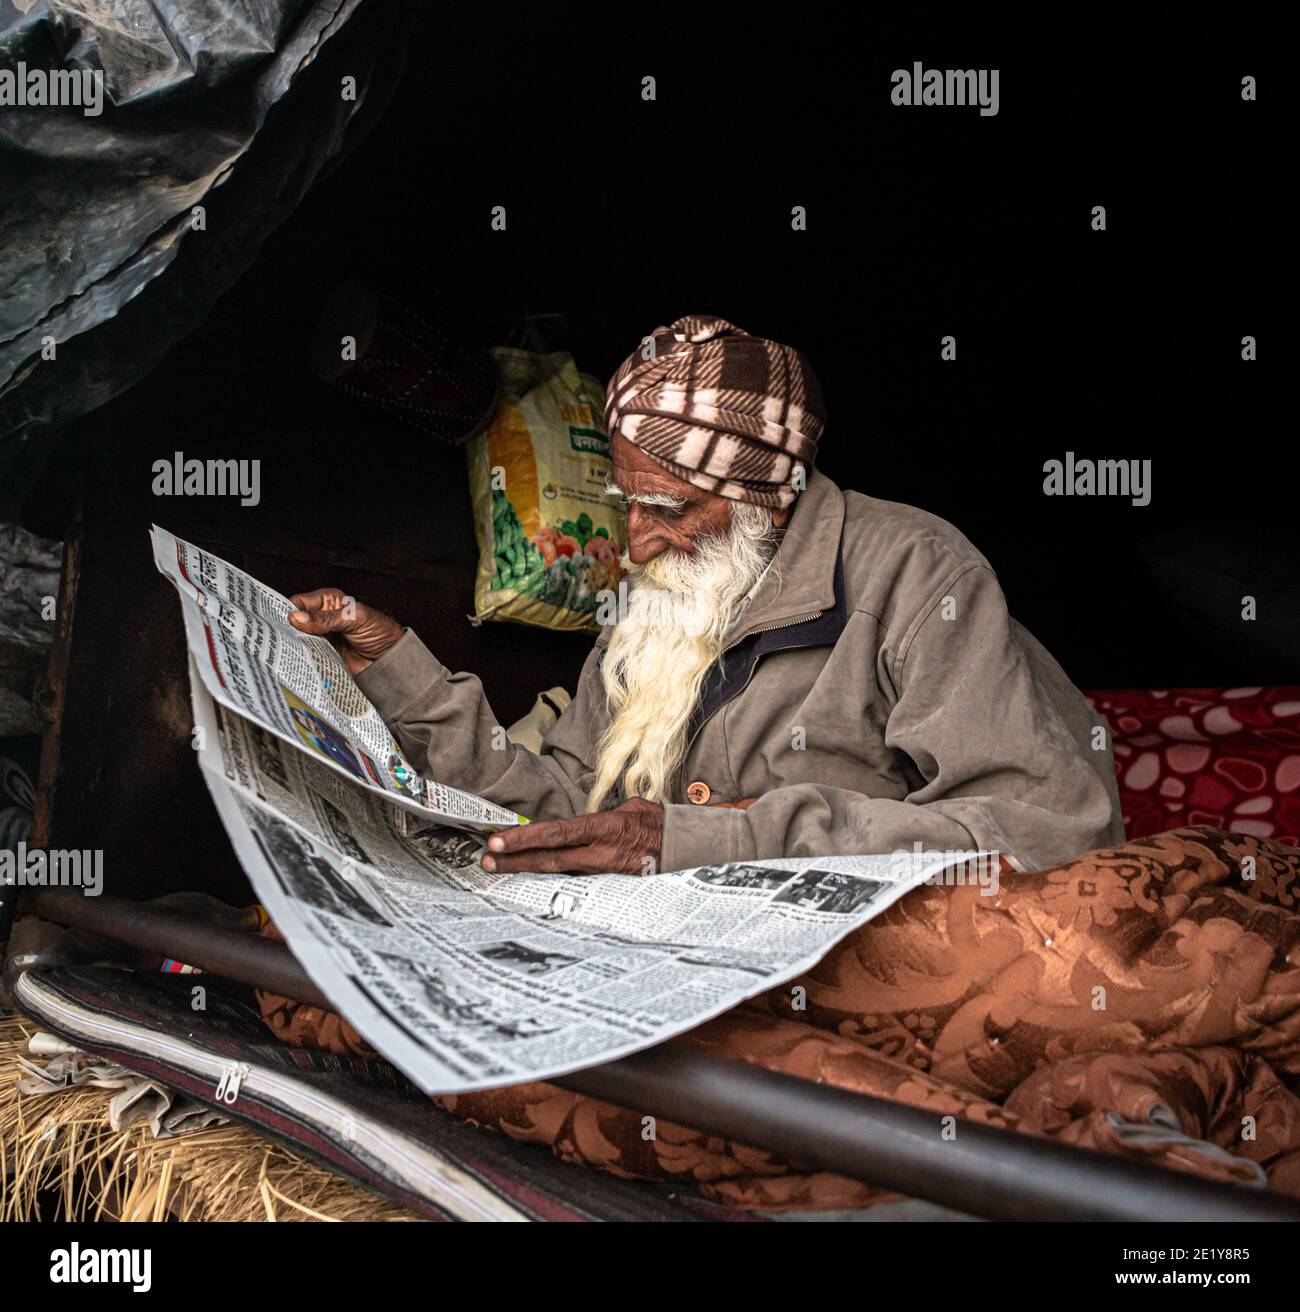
(97, 206)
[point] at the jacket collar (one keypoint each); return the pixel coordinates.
(730, 673)
(801, 582)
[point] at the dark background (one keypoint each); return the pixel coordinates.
(624, 214)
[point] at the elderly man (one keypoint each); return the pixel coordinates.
(798, 671)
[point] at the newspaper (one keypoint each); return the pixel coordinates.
(469, 980)
(295, 685)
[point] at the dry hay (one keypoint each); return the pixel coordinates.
(61, 1160)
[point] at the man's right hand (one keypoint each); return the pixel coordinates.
(361, 635)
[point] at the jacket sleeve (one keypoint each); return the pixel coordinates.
(1002, 743)
(448, 732)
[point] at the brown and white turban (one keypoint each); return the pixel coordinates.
(731, 413)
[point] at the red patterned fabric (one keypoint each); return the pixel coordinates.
(1226, 757)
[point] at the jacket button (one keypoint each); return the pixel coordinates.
(699, 792)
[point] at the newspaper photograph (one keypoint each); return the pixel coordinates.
(296, 687)
(469, 980)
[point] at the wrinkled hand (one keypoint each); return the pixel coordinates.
(625, 841)
(361, 635)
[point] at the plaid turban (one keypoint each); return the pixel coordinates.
(728, 412)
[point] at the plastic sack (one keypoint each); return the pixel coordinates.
(232, 105)
(549, 537)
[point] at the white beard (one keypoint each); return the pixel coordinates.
(680, 609)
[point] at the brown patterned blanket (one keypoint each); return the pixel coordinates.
(1140, 1000)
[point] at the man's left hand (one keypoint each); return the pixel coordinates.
(625, 841)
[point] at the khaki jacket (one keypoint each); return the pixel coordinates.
(875, 694)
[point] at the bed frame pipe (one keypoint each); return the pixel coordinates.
(982, 1170)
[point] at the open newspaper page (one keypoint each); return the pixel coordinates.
(467, 980)
(295, 685)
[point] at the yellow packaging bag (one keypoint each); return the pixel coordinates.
(549, 537)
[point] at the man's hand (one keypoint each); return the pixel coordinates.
(361, 635)
(625, 841)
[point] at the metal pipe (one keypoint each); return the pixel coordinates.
(989, 1172)
(999, 1174)
(244, 957)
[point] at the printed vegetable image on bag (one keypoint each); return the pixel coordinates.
(549, 538)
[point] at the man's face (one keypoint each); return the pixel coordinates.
(688, 513)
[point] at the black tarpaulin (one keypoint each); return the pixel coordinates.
(98, 209)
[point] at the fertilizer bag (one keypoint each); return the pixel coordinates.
(549, 537)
